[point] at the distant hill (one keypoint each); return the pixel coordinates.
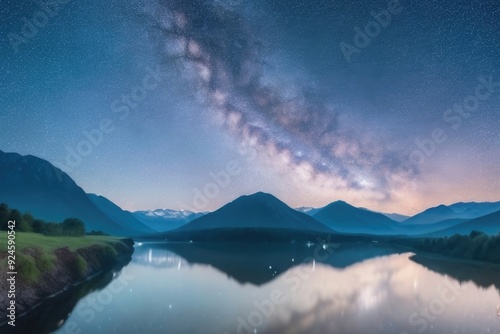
(431, 216)
(474, 209)
(396, 217)
(28, 183)
(115, 213)
(460, 210)
(162, 220)
(489, 224)
(260, 210)
(346, 218)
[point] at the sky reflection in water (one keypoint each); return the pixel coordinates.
(358, 289)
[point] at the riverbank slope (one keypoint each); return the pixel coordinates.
(47, 266)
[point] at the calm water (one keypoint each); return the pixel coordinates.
(190, 288)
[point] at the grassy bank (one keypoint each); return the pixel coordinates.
(37, 254)
(48, 243)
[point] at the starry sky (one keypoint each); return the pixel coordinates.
(390, 105)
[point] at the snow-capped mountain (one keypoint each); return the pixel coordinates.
(162, 220)
(307, 210)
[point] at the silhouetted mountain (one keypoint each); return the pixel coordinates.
(162, 220)
(458, 210)
(28, 183)
(260, 210)
(346, 218)
(431, 216)
(489, 224)
(115, 213)
(420, 229)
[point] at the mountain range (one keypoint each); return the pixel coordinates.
(460, 210)
(162, 220)
(31, 184)
(259, 210)
(489, 224)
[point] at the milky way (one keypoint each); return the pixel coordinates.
(267, 75)
(298, 130)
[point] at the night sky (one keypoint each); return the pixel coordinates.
(311, 101)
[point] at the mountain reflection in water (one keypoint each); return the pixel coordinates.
(358, 288)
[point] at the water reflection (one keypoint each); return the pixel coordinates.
(257, 264)
(157, 255)
(482, 275)
(287, 288)
(51, 314)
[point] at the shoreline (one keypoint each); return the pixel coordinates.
(65, 276)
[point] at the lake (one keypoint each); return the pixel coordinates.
(289, 288)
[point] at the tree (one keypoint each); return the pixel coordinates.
(28, 218)
(53, 229)
(15, 215)
(474, 234)
(23, 226)
(38, 226)
(73, 227)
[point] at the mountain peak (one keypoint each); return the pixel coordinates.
(441, 209)
(338, 204)
(260, 210)
(260, 195)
